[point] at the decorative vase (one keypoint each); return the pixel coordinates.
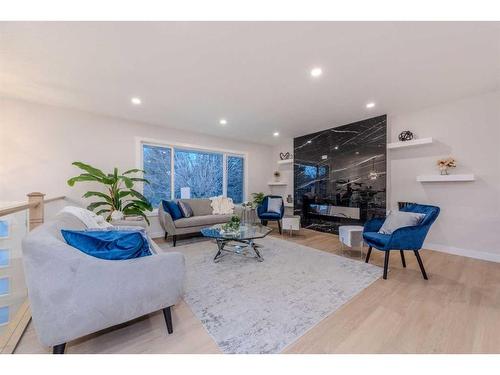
(443, 171)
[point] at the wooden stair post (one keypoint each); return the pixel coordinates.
(36, 210)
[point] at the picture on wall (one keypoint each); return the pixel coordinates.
(340, 175)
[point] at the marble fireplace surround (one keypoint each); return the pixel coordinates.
(340, 174)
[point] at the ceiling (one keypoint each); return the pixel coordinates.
(189, 75)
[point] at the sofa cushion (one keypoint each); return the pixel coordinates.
(200, 207)
(108, 244)
(186, 209)
(399, 219)
(173, 209)
(274, 205)
(201, 220)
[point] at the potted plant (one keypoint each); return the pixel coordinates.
(121, 198)
(257, 198)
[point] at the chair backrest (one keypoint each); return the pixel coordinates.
(431, 212)
(263, 206)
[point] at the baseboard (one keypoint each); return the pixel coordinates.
(463, 252)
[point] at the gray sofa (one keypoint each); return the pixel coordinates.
(73, 294)
(202, 218)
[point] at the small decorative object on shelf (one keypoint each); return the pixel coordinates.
(277, 175)
(285, 156)
(405, 135)
(445, 164)
(289, 198)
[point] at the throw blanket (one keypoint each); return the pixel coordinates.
(222, 205)
(90, 219)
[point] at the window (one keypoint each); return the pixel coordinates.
(4, 315)
(235, 177)
(180, 172)
(4, 229)
(4, 258)
(157, 167)
(200, 171)
(4, 286)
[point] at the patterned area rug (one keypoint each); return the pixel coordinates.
(261, 307)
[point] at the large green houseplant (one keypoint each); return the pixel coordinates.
(120, 196)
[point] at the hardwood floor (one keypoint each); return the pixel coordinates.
(455, 311)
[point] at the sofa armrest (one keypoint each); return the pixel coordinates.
(373, 225)
(166, 221)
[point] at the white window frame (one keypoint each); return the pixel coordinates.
(140, 142)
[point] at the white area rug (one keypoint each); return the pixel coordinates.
(261, 307)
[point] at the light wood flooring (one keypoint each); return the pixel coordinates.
(456, 311)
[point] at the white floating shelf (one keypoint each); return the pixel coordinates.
(445, 178)
(286, 161)
(277, 183)
(288, 205)
(415, 142)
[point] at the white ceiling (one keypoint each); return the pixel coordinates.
(254, 74)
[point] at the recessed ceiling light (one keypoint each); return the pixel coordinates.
(276, 134)
(136, 101)
(309, 141)
(223, 121)
(370, 105)
(316, 72)
(336, 147)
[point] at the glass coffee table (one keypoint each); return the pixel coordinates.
(239, 242)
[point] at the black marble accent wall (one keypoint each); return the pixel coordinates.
(340, 175)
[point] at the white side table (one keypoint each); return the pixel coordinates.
(290, 223)
(351, 236)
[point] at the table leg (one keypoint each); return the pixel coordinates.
(220, 246)
(255, 249)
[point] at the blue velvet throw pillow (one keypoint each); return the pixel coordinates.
(173, 209)
(108, 244)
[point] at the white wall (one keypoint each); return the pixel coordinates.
(468, 130)
(38, 143)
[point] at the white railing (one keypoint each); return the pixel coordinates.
(15, 221)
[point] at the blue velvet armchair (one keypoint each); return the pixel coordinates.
(266, 216)
(406, 238)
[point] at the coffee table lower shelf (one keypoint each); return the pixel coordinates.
(245, 248)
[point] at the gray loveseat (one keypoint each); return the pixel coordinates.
(202, 218)
(73, 294)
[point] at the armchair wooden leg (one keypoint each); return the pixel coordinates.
(368, 254)
(403, 258)
(166, 235)
(263, 222)
(59, 349)
(174, 239)
(168, 319)
(279, 226)
(386, 263)
(421, 264)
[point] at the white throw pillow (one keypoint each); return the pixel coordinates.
(399, 219)
(222, 205)
(88, 218)
(274, 205)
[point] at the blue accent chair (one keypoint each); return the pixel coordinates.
(406, 238)
(265, 216)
